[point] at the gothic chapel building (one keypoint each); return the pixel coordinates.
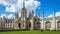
(31, 22)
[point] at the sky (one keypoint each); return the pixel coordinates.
(9, 7)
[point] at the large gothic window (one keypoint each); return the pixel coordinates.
(58, 25)
(48, 25)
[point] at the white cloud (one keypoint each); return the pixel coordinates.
(32, 5)
(10, 16)
(4, 2)
(50, 16)
(10, 9)
(19, 3)
(3, 15)
(57, 14)
(13, 5)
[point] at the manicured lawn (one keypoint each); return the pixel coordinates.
(31, 32)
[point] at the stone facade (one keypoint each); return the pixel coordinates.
(31, 22)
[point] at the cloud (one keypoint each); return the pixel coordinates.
(10, 16)
(13, 5)
(50, 16)
(10, 9)
(3, 15)
(57, 14)
(17, 4)
(4, 2)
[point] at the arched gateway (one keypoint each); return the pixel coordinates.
(28, 25)
(19, 25)
(38, 25)
(58, 25)
(48, 25)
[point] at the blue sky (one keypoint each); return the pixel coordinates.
(45, 5)
(2, 10)
(48, 6)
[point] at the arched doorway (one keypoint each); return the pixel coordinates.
(29, 25)
(38, 25)
(48, 25)
(58, 25)
(19, 25)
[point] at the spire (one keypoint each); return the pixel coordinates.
(54, 12)
(23, 3)
(29, 14)
(54, 19)
(36, 14)
(42, 26)
(4, 17)
(16, 14)
(43, 14)
(32, 13)
(39, 14)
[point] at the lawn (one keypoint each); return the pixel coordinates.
(31, 32)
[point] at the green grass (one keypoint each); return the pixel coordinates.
(31, 32)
